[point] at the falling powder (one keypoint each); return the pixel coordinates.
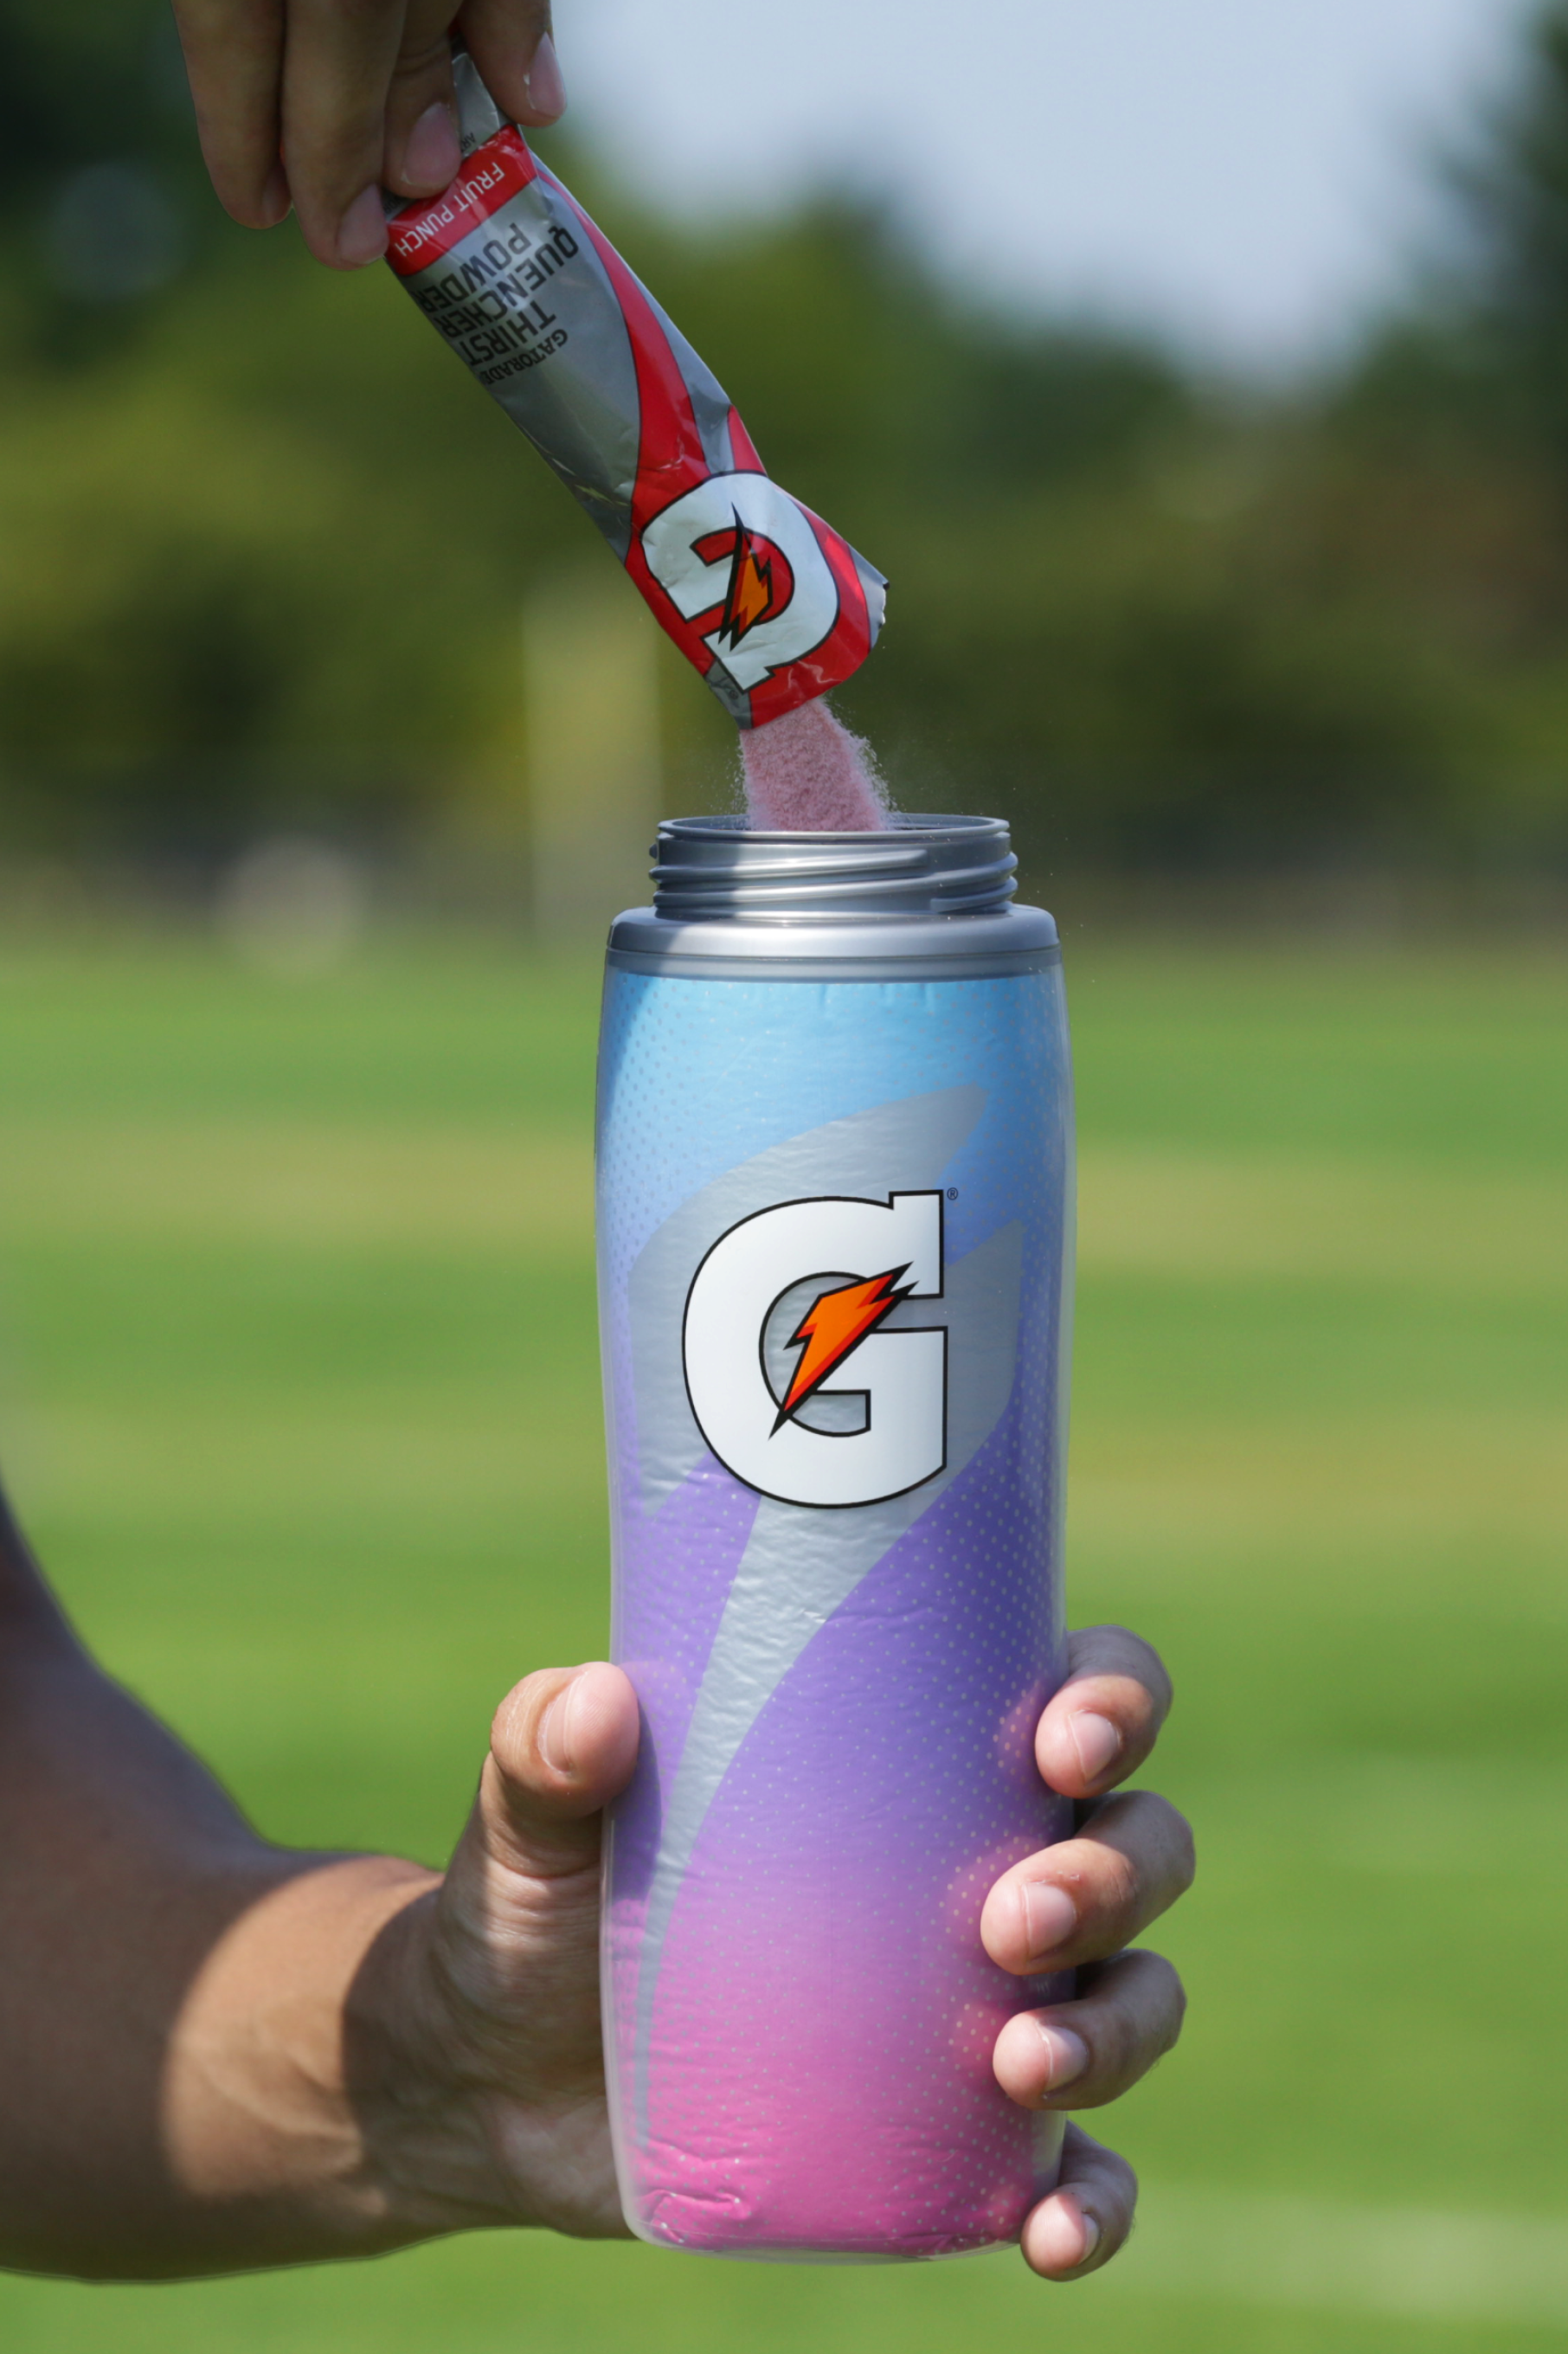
(807, 774)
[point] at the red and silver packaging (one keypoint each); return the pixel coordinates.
(767, 603)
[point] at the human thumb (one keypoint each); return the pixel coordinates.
(563, 1743)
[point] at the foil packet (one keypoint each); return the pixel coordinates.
(761, 595)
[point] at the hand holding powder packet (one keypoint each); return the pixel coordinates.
(767, 603)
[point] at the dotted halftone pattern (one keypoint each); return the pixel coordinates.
(823, 2018)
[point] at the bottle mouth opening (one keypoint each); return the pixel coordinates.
(708, 869)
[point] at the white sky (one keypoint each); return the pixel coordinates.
(1245, 170)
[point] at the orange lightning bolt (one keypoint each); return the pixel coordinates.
(831, 1328)
(750, 590)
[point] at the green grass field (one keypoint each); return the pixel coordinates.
(298, 1390)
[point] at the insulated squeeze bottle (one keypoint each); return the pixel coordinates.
(835, 1245)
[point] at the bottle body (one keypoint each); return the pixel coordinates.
(835, 1250)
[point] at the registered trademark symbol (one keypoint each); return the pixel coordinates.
(952, 1193)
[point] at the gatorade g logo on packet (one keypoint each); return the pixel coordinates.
(771, 606)
(795, 1385)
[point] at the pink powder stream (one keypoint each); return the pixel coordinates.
(807, 774)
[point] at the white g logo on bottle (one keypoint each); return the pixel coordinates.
(819, 1279)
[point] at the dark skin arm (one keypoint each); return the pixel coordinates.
(123, 1869)
(220, 2054)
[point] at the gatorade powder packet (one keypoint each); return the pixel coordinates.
(767, 603)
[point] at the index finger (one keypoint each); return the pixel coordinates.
(338, 62)
(1105, 1720)
(234, 58)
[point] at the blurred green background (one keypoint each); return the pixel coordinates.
(303, 1405)
(298, 1381)
(263, 546)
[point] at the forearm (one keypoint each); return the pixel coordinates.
(176, 1995)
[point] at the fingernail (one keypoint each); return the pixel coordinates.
(433, 154)
(275, 196)
(1050, 1916)
(1097, 1742)
(544, 83)
(1067, 2056)
(361, 232)
(554, 1731)
(1091, 2234)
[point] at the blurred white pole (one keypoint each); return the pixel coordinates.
(590, 678)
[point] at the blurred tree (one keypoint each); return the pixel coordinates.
(263, 545)
(1432, 481)
(101, 193)
(1514, 191)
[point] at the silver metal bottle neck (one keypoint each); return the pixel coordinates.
(714, 869)
(929, 899)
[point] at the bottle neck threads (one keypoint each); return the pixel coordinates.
(708, 869)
